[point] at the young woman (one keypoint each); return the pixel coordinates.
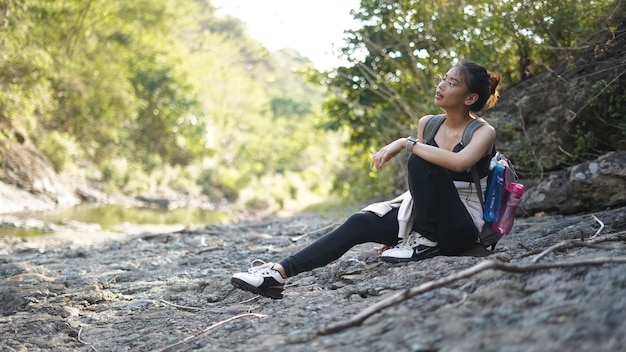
(441, 212)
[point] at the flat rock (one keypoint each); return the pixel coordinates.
(148, 291)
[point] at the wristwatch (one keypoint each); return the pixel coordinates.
(410, 142)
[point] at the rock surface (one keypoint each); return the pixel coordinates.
(28, 180)
(149, 291)
(596, 184)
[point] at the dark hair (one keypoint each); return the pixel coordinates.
(481, 82)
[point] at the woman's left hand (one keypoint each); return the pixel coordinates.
(383, 248)
(387, 153)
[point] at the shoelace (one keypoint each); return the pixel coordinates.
(255, 267)
(409, 242)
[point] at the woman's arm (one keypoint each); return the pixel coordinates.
(392, 149)
(387, 152)
(479, 146)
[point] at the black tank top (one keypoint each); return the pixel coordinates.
(482, 165)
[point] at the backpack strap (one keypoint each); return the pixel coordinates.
(479, 188)
(431, 127)
(433, 124)
(468, 132)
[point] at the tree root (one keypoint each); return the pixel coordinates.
(403, 295)
(618, 236)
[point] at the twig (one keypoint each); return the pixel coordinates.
(185, 308)
(403, 295)
(589, 101)
(601, 226)
(187, 339)
(564, 152)
(564, 245)
(80, 330)
(249, 300)
(462, 300)
(322, 230)
(578, 243)
(532, 149)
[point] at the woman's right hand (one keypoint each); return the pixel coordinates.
(387, 153)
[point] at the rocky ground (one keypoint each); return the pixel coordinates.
(171, 292)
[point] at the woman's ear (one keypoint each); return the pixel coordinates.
(470, 99)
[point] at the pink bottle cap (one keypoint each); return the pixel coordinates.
(516, 188)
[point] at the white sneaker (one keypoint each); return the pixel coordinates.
(261, 279)
(413, 248)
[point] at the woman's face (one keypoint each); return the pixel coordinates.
(451, 90)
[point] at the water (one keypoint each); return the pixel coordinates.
(110, 217)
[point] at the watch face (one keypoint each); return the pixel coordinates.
(410, 142)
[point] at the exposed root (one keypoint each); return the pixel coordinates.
(403, 295)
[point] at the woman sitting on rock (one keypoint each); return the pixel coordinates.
(440, 214)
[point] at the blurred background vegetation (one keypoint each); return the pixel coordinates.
(148, 95)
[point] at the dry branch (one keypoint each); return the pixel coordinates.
(601, 226)
(210, 328)
(185, 308)
(403, 295)
(79, 339)
(324, 229)
(578, 243)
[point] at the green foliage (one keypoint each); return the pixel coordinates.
(585, 141)
(161, 94)
(61, 148)
(116, 172)
(609, 107)
(167, 124)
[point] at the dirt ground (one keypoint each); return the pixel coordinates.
(170, 291)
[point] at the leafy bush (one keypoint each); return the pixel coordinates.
(61, 149)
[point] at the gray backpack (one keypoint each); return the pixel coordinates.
(488, 238)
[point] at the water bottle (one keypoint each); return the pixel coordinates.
(494, 194)
(507, 214)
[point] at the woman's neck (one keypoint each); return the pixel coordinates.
(457, 119)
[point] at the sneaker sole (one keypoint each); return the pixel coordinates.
(422, 256)
(273, 293)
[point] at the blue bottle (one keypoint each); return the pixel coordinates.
(494, 194)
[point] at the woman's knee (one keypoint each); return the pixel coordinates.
(368, 227)
(358, 222)
(419, 165)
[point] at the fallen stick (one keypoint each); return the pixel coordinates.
(187, 339)
(403, 295)
(324, 229)
(185, 308)
(618, 236)
(601, 226)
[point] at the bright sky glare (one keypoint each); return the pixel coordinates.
(313, 28)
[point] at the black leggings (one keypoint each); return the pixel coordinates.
(439, 215)
(359, 228)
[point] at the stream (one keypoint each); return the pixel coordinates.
(91, 220)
